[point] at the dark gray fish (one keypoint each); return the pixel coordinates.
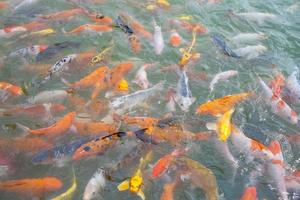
(223, 47)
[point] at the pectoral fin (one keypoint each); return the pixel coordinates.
(141, 194)
(124, 185)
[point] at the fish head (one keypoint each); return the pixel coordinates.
(185, 103)
(135, 183)
(52, 183)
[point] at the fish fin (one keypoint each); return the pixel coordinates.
(124, 185)
(141, 194)
(140, 134)
(25, 129)
(211, 126)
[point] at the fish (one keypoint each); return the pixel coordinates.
(127, 102)
(11, 31)
(200, 176)
(190, 27)
(223, 76)
(95, 185)
(29, 51)
(8, 90)
(251, 51)
(175, 39)
(135, 43)
(68, 195)
(276, 170)
(168, 190)
(292, 182)
(90, 28)
(62, 15)
(24, 145)
(223, 125)
(54, 49)
(49, 96)
(221, 105)
(58, 153)
(118, 72)
(248, 37)
(184, 96)
(88, 127)
(123, 26)
(277, 84)
(163, 164)
(187, 54)
(33, 111)
(141, 78)
(278, 106)
(60, 127)
(165, 4)
(100, 18)
(34, 187)
(223, 47)
(249, 193)
(293, 88)
(257, 17)
(158, 39)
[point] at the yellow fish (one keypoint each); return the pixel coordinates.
(70, 192)
(44, 32)
(187, 53)
(103, 55)
(186, 17)
(223, 125)
(135, 183)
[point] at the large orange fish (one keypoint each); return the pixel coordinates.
(58, 128)
(219, 106)
(118, 72)
(63, 15)
(91, 28)
(87, 127)
(23, 145)
(32, 187)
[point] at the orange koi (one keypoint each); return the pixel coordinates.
(118, 72)
(63, 15)
(92, 28)
(32, 187)
(58, 128)
(99, 18)
(198, 28)
(175, 39)
(219, 106)
(22, 28)
(249, 193)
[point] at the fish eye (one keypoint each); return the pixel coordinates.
(87, 148)
(99, 16)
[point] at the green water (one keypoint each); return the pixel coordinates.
(256, 119)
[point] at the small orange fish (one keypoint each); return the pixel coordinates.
(58, 128)
(23, 145)
(25, 27)
(249, 193)
(32, 187)
(99, 18)
(92, 28)
(219, 106)
(198, 28)
(277, 84)
(175, 39)
(10, 90)
(63, 15)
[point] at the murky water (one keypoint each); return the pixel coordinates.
(253, 116)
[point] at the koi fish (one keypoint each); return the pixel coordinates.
(124, 27)
(58, 153)
(163, 164)
(292, 182)
(278, 106)
(258, 17)
(58, 128)
(184, 95)
(134, 43)
(223, 47)
(293, 88)
(100, 18)
(49, 96)
(32, 187)
(35, 111)
(102, 56)
(249, 193)
(175, 39)
(8, 90)
(11, 31)
(276, 170)
(190, 27)
(68, 195)
(223, 76)
(29, 51)
(277, 84)
(87, 127)
(223, 125)
(63, 15)
(54, 49)
(168, 190)
(248, 37)
(118, 72)
(219, 106)
(250, 52)
(187, 54)
(20, 145)
(165, 4)
(158, 39)
(91, 28)
(200, 176)
(96, 183)
(141, 78)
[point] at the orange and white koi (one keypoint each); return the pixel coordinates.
(14, 30)
(141, 78)
(29, 51)
(175, 39)
(91, 28)
(277, 83)
(3, 4)
(8, 90)
(278, 106)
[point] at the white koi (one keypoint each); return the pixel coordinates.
(158, 39)
(248, 37)
(223, 76)
(95, 185)
(250, 52)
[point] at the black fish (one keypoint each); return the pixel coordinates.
(221, 44)
(125, 28)
(55, 49)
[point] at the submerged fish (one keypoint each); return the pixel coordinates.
(223, 76)
(258, 17)
(250, 52)
(96, 183)
(49, 96)
(249, 37)
(158, 39)
(223, 47)
(293, 88)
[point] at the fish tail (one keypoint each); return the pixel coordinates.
(25, 129)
